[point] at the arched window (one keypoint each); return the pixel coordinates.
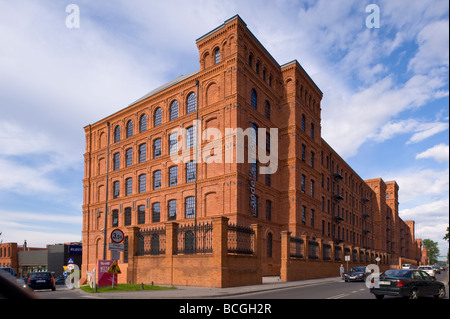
(217, 56)
(128, 186)
(191, 103)
(128, 157)
(250, 60)
(116, 189)
(142, 183)
(173, 110)
(254, 99)
(157, 119)
(129, 128)
(143, 123)
(117, 134)
(257, 67)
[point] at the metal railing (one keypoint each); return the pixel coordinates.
(240, 239)
(152, 241)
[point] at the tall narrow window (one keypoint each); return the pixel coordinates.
(250, 60)
(312, 217)
(312, 130)
(141, 214)
(267, 110)
(127, 216)
(190, 137)
(173, 110)
(269, 245)
(303, 215)
(157, 148)
(191, 173)
(190, 207)
(128, 186)
(116, 189)
(303, 183)
(191, 103)
(303, 153)
(173, 176)
(172, 208)
(142, 183)
(157, 119)
(129, 128)
(257, 67)
(116, 161)
(157, 179)
(254, 99)
(143, 123)
(268, 210)
(117, 134)
(128, 157)
(173, 143)
(312, 159)
(312, 188)
(115, 218)
(303, 123)
(217, 56)
(156, 212)
(142, 152)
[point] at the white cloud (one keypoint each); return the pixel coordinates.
(438, 152)
(421, 130)
(433, 50)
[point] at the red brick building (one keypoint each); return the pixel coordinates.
(314, 196)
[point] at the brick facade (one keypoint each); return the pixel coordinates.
(314, 193)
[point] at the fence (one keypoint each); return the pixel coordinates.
(194, 239)
(152, 241)
(304, 258)
(240, 239)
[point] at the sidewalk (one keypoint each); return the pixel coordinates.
(182, 292)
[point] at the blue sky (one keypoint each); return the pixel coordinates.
(385, 108)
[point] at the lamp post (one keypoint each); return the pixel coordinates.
(106, 195)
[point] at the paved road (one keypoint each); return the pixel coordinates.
(325, 290)
(310, 289)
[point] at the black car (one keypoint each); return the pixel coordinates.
(356, 274)
(411, 283)
(41, 280)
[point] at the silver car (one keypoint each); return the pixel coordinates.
(429, 270)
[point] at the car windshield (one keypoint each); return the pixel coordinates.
(422, 267)
(358, 269)
(398, 273)
(44, 275)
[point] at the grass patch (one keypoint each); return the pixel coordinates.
(124, 287)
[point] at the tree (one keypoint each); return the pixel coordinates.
(446, 238)
(432, 250)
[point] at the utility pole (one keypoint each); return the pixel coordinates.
(196, 169)
(106, 195)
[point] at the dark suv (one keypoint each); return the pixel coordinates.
(41, 280)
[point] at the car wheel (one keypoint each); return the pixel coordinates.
(441, 293)
(379, 296)
(414, 294)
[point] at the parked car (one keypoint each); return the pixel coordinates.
(409, 283)
(407, 266)
(9, 270)
(41, 280)
(428, 269)
(437, 269)
(356, 274)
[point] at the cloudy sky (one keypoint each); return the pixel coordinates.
(385, 108)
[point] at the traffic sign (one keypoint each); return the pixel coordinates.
(70, 261)
(114, 269)
(117, 236)
(118, 247)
